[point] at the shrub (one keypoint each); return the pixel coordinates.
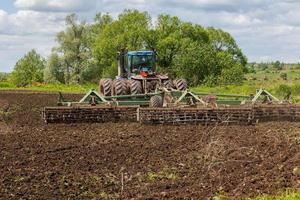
(283, 76)
(283, 90)
(3, 76)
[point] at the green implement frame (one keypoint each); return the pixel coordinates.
(171, 98)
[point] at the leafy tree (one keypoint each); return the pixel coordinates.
(54, 71)
(223, 41)
(75, 49)
(28, 69)
(172, 35)
(168, 40)
(128, 32)
(278, 65)
(195, 62)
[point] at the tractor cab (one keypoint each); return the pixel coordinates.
(137, 63)
(141, 62)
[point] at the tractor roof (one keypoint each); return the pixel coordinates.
(140, 53)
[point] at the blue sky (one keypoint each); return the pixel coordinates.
(266, 30)
(7, 5)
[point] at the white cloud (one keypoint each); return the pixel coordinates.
(264, 29)
(30, 22)
(56, 5)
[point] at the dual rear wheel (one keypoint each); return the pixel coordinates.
(109, 87)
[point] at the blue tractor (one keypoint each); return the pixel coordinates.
(137, 75)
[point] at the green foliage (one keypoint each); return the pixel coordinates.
(129, 31)
(54, 71)
(250, 69)
(6, 84)
(263, 66)
(75, 49)
(283, 90)
(278, 65)
(284, 76)
(194, 63)
(3, 76)
(28, 69)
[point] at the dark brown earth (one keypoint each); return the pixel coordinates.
(134, 161)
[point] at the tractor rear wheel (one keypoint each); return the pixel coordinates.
(180, 84)
(135, 87)
(119, 87)
(156, 102)
(105, 86)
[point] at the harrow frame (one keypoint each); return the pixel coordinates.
(179, 107)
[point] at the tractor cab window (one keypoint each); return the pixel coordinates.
(141, 62)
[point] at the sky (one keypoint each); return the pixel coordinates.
(265, 30)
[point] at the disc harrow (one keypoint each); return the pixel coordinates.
(176, 107)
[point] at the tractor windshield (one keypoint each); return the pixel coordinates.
(142, 63)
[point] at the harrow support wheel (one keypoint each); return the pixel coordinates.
(105, 87)
(168, 84)
(180, 84)
(156, 102)
(119, 87)
(135, 87)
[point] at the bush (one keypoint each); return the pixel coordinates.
(250, 69)
(277, 65)
(5, 85)
(283, 90)
(283, 76)
(296, 89)
(3, 76)
(263, 66)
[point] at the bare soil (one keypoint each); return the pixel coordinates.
(134, 161)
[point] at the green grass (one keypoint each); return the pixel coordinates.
(73, 88)
(287, 195)
(284, 196)
(268, 79)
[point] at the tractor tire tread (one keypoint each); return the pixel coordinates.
(105, 86)
(119, 87)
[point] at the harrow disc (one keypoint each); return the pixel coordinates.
(88, 114)
(239, 115)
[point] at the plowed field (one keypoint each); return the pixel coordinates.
(134, 161)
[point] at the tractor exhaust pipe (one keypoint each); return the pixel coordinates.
(121, 63)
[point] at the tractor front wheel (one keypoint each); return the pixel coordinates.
(105, 86)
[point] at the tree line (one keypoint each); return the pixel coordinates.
(85, 52)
